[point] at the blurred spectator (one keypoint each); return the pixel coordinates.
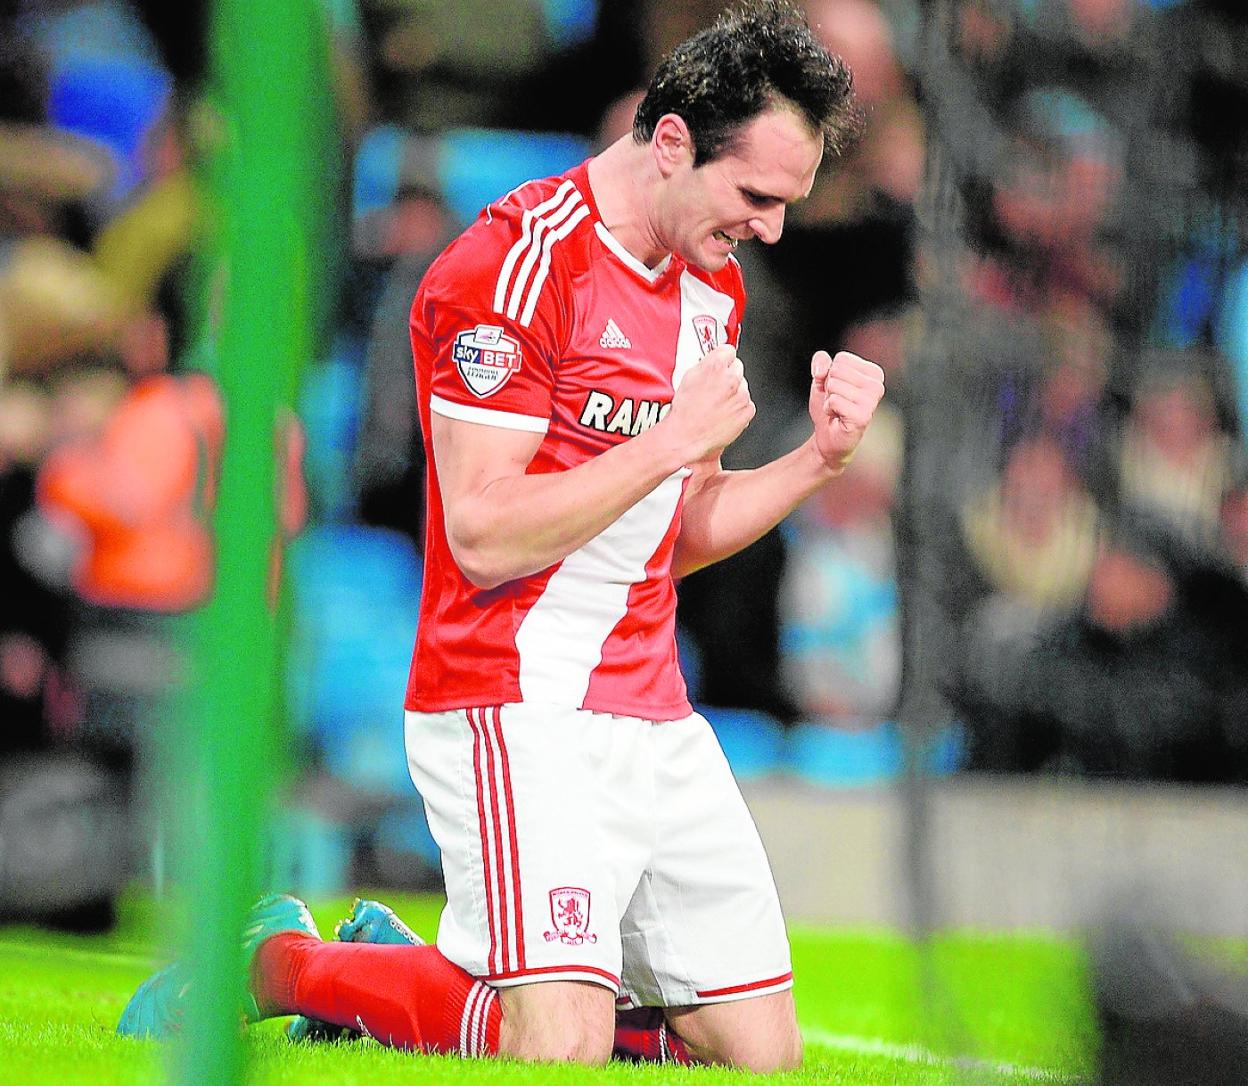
(33, 620)
(137, 492)
(889, 157)
(443, 64)
(131, 483)
(1148, 679)
(106, 80)
(1033, 535)
(54, 304)
(389, 463)
(1071, 403)
(1235, 529)
(153, 234)
(41, 170)
(1175, 460)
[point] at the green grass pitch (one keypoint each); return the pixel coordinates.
(874, 1009)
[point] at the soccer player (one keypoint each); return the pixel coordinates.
(578, 379)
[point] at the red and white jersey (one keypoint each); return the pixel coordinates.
(537, 319)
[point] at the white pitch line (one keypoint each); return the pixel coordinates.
(870, 1046)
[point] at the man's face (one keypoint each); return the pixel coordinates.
(706, 210)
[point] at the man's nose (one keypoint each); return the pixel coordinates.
(768, 225)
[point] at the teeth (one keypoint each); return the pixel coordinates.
(726, 239)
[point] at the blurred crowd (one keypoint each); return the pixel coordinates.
(1081, 559)
(1039, 237)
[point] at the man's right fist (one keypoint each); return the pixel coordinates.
(712, 405)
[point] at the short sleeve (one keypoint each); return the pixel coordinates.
(491, 323)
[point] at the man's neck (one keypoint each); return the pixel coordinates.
(623, 180)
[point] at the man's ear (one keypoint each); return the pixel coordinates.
(671, 144)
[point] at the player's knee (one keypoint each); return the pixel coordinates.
(581, 1043)
(759, 1034)
(561, 1041)
(763, 1055)
(558, 1022)
(787, 1055)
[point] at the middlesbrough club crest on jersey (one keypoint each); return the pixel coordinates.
(486, 358)
(707, 328)
(569, 913)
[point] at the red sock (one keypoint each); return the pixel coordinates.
(412, 997)
(642, 1036)
(404, 996)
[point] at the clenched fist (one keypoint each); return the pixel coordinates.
(844, 393)
(712, 405)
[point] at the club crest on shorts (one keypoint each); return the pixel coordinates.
(486, 358)
(707, 329)
(569, 912)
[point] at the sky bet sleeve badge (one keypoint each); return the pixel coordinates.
(486, 358)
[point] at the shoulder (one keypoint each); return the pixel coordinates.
(536, 215)
(517, 248)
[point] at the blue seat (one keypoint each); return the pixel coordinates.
(839, 757)
(357, 593)
(753, 742)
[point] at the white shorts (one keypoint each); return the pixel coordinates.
(593, 847)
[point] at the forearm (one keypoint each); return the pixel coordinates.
(731, 509)
(518, 525)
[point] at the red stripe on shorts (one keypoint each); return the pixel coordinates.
(517, 899)
(499, 862)
(478, 772)
(736, 988)
(514, 973)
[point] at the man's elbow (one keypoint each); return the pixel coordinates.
(481, 566)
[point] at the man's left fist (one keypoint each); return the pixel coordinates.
(844, 393)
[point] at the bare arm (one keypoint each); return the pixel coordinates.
(726, 511)
(502, 524)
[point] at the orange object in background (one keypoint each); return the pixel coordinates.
(141, 491)
(290, 443)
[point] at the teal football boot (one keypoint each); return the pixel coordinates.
(369, 922)
(157, 1009)
(271, 915)
(373, 922)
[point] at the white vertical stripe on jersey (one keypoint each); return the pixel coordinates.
(526, 235)
(696, 298)
(543, 271)
(560, 640)
(544, 236)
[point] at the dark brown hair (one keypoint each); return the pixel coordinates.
(758, 55)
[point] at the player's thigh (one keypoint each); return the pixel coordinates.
(526, 804)
(557, 1020)
(759, 1034)
(705, 924)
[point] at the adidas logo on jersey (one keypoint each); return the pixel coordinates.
(613, 337)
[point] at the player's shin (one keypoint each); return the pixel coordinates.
(407, 997)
